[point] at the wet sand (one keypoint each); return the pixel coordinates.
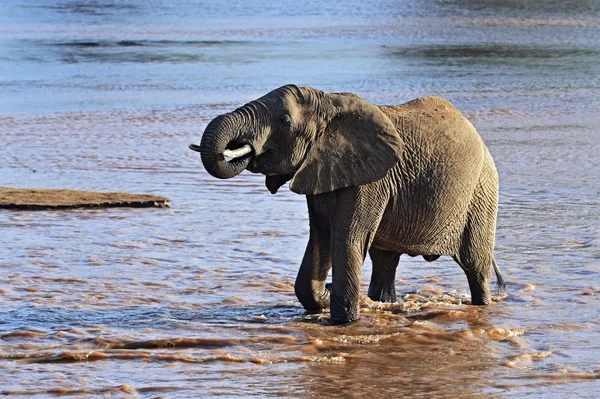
(197, 300)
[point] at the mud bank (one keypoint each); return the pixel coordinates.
(37, 199)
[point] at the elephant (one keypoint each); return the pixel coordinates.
(412, 179)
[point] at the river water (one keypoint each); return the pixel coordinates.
(197, 300)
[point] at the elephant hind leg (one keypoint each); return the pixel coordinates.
(476, 249)
(478, 276)
(476, 258)
(475, 280)
(382, 286)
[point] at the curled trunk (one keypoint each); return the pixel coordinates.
(221, 134)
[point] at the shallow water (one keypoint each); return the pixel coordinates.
(197, 300)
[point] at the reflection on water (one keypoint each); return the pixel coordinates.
(197, 300)
(495, 54)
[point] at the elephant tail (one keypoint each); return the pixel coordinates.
(500, 284)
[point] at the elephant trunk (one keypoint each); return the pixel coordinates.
(221, 139)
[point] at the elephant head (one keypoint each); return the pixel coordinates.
(320, 141)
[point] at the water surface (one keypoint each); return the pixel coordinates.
(197, 300)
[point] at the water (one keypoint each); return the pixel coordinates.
(197, 300)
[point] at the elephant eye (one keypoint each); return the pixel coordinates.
(286, 120)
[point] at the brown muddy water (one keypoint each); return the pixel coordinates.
(197, 300)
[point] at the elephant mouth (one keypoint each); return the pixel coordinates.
(263, 163)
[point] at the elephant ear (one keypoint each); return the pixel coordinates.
(358, 145)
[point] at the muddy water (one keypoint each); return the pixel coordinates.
(197, 300)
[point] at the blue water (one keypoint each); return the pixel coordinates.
(106, 95)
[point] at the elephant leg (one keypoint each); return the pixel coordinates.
(358, 212)
(476, 252)
(382, 287)
(479, 282)
(348, 259)
(310, 282)
(475, 257)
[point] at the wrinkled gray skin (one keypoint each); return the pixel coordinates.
(412, 179)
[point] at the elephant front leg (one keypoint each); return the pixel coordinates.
(382, 286)
(310, 282)
(358, 213)
(345, 294)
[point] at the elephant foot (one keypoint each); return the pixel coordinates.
(386, 297)
(338, 321)
(327, 321)
(313, 299)
(480, 291)
(343, 309)
(385, 292)
(481, 300)
(480, 294)
(478, 277)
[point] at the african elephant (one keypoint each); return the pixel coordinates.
(411, 179)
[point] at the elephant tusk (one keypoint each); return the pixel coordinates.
(240, 152)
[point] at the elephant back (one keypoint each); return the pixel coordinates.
(434, 122)
(438, 176)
